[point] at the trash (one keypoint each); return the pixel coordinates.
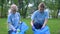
(44, 30)
(23, 28)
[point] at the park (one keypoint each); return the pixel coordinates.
(26, 8)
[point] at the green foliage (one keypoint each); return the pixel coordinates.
(23, 6)
(53, 5)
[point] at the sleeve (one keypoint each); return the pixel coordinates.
(46, 15)
(19, 16)
(33, 16)
(9, 19)
(9, 22)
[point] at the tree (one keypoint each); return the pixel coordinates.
(1, 4)
(23, 6)
(53, 5)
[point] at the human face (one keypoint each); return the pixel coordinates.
(13, 8)
(41, 7)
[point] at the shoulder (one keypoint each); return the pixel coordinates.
(10, 15)
(45, 12)
(18, 13)
(35, 12)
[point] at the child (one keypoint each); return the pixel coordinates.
(14, 20)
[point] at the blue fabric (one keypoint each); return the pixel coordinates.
(23, 28)
(18, 33)
(44, 30)
(39, 17)
(13, 19)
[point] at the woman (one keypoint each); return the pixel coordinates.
(39, 18)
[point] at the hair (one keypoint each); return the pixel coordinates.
(41, 5)
(9, 11)
(14, 5)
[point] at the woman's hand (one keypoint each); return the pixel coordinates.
(31, 23)
(43, 26)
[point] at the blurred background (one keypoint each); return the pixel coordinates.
(26, 8)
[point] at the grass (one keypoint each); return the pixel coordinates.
(52, 23)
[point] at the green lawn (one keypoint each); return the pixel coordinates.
(52, 23)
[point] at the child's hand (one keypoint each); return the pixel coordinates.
(18, 30)
(14, 29)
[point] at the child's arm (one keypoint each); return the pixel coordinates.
(9, 23)
(12, 27)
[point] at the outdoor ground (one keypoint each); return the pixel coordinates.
(54, 25)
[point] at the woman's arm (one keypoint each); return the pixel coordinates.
(45, 22)
(46, 19)
(32, 23)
